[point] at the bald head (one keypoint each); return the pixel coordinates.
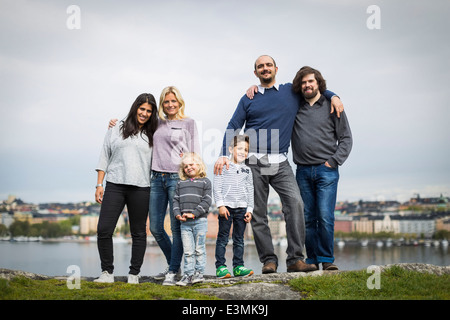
(266, 70)
(265, 56)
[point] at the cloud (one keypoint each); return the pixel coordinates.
(60, 87)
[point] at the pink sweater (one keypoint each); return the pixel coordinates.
(171, 140)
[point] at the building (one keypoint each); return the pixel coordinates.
(413, 224)
(343, 223)
(6, 219)
(386, 224)
(88, 224)
(443, 224)
(421, 225)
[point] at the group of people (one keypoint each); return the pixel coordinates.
(151, 161)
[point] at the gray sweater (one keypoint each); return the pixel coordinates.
(125, 161)
(192, 196)
(319, 136)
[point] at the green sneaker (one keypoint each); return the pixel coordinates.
(241, 271)
(222, 272)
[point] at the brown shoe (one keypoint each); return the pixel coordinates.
(269, 267)
(329, 266)
(301, 266)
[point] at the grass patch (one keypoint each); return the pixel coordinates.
(21, 288)
(395, 284)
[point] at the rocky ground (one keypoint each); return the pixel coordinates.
(256, 287)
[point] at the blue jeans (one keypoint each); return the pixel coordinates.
(162, 190)
(318, 187)
(193, 233)
(237, 219)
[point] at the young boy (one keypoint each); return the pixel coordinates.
(233, 194)
(191, 204)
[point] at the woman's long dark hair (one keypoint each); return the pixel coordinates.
(130, 126)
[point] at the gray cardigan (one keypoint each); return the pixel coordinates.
(125, 161)
(319, 136)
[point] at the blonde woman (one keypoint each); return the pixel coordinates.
(176, 135)
(191, 206)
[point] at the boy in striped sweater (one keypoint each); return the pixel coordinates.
(233, 194)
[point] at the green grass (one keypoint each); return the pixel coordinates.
(21, 288)
(395, 284)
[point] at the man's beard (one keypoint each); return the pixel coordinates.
(310, 95)
(266, 80)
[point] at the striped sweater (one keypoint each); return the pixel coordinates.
(192, 196)
(234, 187)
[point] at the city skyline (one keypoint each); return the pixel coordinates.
(68, 69)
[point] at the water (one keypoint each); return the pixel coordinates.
(53, 258)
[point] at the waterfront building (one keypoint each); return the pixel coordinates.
(417, 225)
(343, 223)
(443, 224)
(88, 224)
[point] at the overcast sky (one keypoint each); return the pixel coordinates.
(60, 86)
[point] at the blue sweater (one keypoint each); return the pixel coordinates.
(268, 118)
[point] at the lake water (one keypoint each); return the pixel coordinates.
(53, 258)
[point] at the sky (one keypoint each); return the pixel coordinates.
(65, 72)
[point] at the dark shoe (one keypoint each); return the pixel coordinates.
(301, 266)
(329, 266)
(269, 267)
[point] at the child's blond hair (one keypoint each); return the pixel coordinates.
(197, 160)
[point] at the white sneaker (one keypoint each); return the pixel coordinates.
(162, 275)
(105, 277)
(186, 280)
(169, 279)
(134, 279)
(197, 278)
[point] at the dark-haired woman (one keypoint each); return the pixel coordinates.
(126, 161)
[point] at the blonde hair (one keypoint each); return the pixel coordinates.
(176, 92)
(197, 160)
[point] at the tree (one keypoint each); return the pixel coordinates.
(19, 228)
(3, 230)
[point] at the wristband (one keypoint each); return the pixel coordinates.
(99, 185)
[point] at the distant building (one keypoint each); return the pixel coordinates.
(443, 224)
(417, 225)
(414, 224)
(88, 224)
(6, 219)
(343, 223)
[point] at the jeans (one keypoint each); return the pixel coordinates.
(281, 178)
(162, 190)
(115, 198)
(318, 186)
(193, 233)
(236, 219)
